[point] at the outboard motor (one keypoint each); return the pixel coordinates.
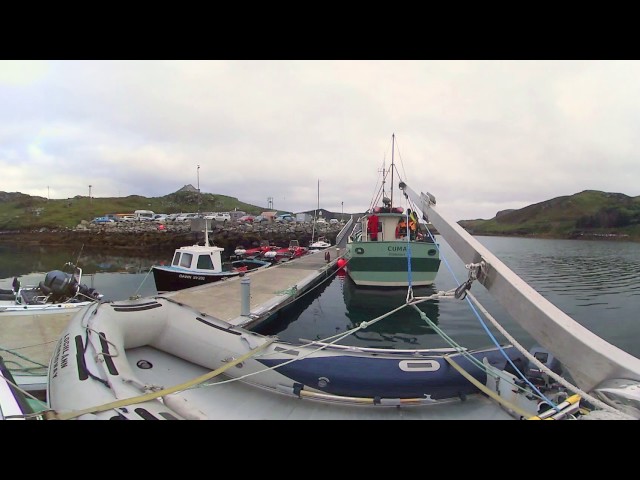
(59, 284)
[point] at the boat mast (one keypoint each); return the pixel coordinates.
(315, 214)
(393, 136)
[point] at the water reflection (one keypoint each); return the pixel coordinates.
(365, 304)
(16, 261)
(592, 281)
(338, 306)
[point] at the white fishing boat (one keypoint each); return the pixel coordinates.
(389, 241)
(154, 358)
(197, 265)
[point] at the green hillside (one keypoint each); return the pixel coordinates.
(586, 214)
(19, 211)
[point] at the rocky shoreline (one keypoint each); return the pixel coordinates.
(139, 237)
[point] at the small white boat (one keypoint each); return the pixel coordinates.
(149, 358)
(60, 291)
(320, 244)
(32, 318)
(197, 265)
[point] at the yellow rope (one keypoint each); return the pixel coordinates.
(154, 395)
(547, 415)
(484, 389)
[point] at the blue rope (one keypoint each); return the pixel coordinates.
(486, 329)
(408, 250)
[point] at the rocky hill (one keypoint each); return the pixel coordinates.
(588, 214)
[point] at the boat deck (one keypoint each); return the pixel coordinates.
(270, 289)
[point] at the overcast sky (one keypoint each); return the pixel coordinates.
(482, 136)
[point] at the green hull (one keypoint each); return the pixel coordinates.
(386, 264)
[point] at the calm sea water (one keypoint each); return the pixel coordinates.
(595, 282)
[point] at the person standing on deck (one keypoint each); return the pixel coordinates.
(401, 228)
(372, 227)
(413, 223)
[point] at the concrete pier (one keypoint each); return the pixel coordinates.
(269, 289)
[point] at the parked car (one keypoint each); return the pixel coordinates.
(99, 220)
(285, 218)
(246, 219)
(321, 220)
(260, 219)
(220, 217)
(185, 216)
(333, 221)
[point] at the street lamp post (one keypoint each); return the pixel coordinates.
(89, 193)
(342, 212)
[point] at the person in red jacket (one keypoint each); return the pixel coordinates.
(372, 227)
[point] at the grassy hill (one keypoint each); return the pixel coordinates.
(19, 211)
(586, 214)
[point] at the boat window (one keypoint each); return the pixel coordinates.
(176, 259)
(204, 262)
(185, 261)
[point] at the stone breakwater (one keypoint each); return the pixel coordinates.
(147, 236)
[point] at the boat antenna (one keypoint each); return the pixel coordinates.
(78, 259)
(393, 136)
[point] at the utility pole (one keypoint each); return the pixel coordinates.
(89, 193)
(198, 174)
(342, 212)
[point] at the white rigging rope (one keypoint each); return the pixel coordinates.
(542, 367)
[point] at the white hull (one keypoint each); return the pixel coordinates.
(154, 358)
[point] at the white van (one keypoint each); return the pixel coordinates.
(144, 215)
